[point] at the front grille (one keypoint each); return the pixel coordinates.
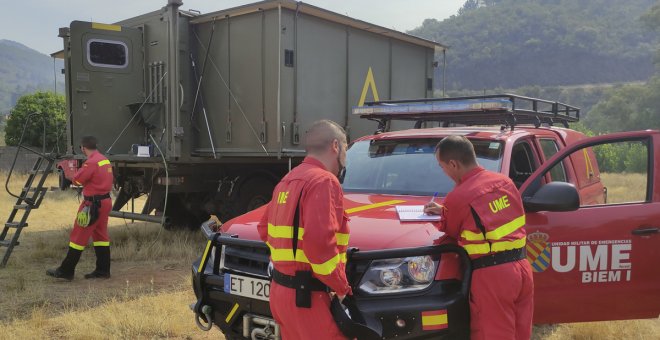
(247, 260)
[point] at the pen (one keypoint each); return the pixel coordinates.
(433, 198)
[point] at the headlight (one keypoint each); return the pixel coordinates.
(399, 275)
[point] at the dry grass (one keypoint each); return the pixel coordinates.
(628, 329)
(164, 315)
(622, 187)
(149, 293)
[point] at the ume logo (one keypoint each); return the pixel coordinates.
(608, 262)
(499, 204)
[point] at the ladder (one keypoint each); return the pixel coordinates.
(30, 198)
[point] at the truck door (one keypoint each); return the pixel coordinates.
(106, 74)
(599, 262)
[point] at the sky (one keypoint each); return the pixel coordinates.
(35, 23)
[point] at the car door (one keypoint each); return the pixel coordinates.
(600, 261)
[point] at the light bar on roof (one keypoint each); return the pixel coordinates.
(448, 106)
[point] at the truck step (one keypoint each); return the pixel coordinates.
(15, 224)
(22, 206)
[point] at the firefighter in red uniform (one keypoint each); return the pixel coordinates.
(305, 228)
(92, 219)
(484, 213)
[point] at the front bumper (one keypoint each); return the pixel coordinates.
(403, 316)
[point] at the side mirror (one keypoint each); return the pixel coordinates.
(554, 196)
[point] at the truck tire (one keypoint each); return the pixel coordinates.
(63, 182)
(254, 193)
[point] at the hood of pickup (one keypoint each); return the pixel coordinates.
(373, 221)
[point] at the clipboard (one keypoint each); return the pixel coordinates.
(412, 213)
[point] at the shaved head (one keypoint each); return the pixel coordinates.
(456, 148)
(320, 136)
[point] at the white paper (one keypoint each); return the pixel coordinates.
(414, 213)
(143, 151)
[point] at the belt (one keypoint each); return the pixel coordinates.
(499, 258)
(97, 197)
(289, 281)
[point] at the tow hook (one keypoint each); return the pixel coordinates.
(206, 310)
(260, 328)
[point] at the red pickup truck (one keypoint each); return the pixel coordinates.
(593, 210)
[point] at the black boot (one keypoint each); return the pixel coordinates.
(68, 266)
(102, 270)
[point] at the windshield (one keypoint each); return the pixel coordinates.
(407, 167)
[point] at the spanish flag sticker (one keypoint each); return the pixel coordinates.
(434, 320)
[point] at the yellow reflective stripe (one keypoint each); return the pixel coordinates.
(286, 255)
(342, 239)
(106, 27)
(102, 244)
(483, 248)
(506, 229)
(476, 249)
(497, 233)
(284, 231)
(472, 236)
(233, 311)
(103, 162)
(202, 264)
(372, 206)
(76, 246)
(508, 245)
(326, 267)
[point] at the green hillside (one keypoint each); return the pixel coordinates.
(514, 43)
(24, 70)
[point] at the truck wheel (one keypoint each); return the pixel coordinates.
(63, 182)
(254, 193)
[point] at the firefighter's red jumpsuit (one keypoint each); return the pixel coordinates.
(502, 295)
(322, 243)
(96, 177)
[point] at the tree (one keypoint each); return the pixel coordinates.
(48, 107)
(513, 43)
(469, 5)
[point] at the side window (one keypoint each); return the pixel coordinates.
(550, 148)
(614, 172)
(107, 53)
(522, 163)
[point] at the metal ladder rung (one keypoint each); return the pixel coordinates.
(7, 243)
(22, 206)
(15, 224)
(39, 171)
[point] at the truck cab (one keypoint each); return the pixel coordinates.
(587, 221)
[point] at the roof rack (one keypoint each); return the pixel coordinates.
(501, 109)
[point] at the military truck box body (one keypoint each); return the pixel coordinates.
(229, 92)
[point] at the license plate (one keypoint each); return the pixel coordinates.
(248, 287)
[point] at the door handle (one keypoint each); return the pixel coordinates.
(646, 231)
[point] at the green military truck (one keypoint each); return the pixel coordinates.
(204, 113)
